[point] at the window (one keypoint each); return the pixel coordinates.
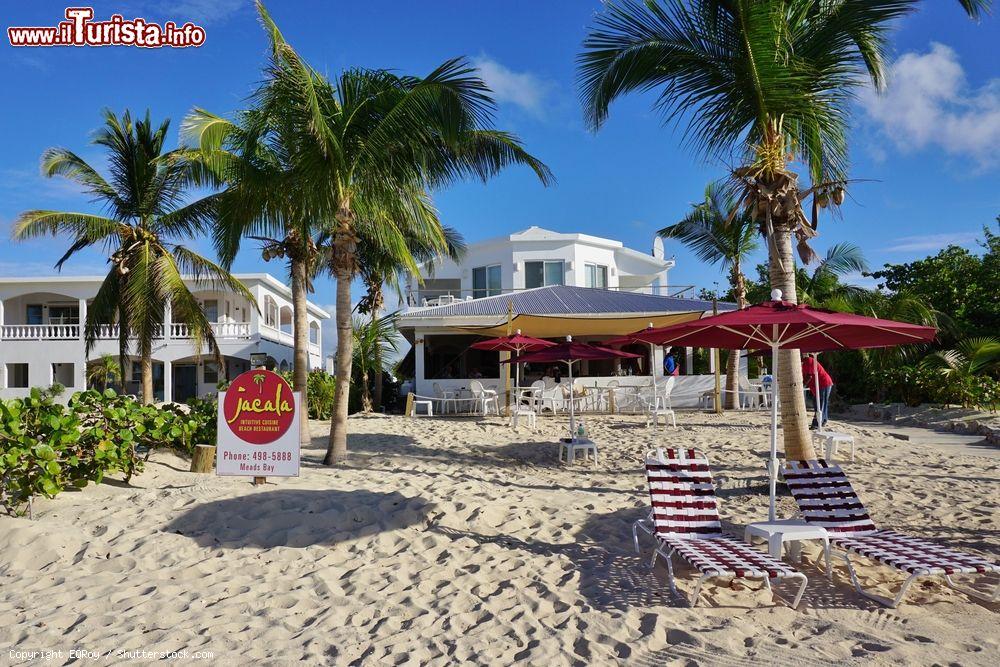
(485, 281)
(136, 371)
(64, 314)
(17, 376)
(33, 313)
(211, 307)
(211, 373)
(63, 374)
(542, 274)
(596, 275)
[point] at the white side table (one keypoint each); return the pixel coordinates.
(830, 440)
(792, 531)
(569, 448)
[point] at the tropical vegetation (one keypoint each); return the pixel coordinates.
(146, 217)
(765, 82)
(47, 447)
(717, 238)
(103, 371)
(375, 342)
(370, 145)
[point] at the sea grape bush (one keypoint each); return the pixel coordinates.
(46, 447)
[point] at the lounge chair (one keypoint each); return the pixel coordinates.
(825, 497)
(685, 521)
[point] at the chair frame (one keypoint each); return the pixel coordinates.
(667, 552)
(821, 465)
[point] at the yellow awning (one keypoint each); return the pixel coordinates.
(555, 326)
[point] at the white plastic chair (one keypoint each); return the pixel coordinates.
(484, 398)
(444, 398)
(660, 405)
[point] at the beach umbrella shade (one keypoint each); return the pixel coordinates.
(568, 353)
(781, 325)
(517, 343)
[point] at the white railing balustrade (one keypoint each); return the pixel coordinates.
(40, 331)
(226, 330)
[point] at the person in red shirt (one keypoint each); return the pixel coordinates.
(811, 368)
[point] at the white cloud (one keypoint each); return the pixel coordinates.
(932, 241)
(522, 89)
(929, 102)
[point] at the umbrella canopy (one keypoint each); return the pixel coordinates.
(568, 353)
(781, 325)
(784, 325)
(516, 343)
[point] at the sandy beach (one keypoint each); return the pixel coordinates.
(462, 541)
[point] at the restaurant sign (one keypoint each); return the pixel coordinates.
(258, 427)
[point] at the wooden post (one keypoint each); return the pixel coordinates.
(409, 405)
(611, 401)
(259, 481)
(203, 458)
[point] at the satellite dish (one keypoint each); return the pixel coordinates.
(657, 247)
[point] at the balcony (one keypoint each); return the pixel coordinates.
(284, 337)
(39, 332)
(13, 332)
(428, 298)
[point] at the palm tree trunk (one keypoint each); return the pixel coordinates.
(733, 365)
(146, 356)
(377, 364)
(794, 418)
(337, 446)
(300, 325)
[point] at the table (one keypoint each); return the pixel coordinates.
(569, 447)
(789, 530)
(830, 440)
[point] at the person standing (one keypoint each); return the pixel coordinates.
(670, 363)
(811, 369)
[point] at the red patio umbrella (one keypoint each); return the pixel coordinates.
(568, 353)
(781, 325)
(516, 343)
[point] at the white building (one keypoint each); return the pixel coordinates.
(42, 342)
(537, 257)
(548, 285)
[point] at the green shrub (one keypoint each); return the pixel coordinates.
(45, 446)
(320, 386)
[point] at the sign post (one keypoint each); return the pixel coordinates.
(258, 428)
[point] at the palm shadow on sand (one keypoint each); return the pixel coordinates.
(297, 518)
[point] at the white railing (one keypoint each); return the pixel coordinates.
(277, 335)
(40, 331)
(220, 329)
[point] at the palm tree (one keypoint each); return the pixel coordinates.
(370, 145)
(823, 284)
(378, 269)
(767, 81)
(252, 159)
(104, 370)
(715, 238)
(374, 340)
(146, 216)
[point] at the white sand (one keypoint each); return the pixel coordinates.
(450, 541)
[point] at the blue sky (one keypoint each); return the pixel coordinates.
(929, 146)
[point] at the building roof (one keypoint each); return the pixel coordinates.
(564, 300)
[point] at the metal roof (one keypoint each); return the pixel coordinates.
(566, 300)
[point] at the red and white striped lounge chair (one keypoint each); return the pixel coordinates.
(825, 497)
(685, 521)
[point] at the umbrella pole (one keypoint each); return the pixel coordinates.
(572, 416)
(773, 467)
